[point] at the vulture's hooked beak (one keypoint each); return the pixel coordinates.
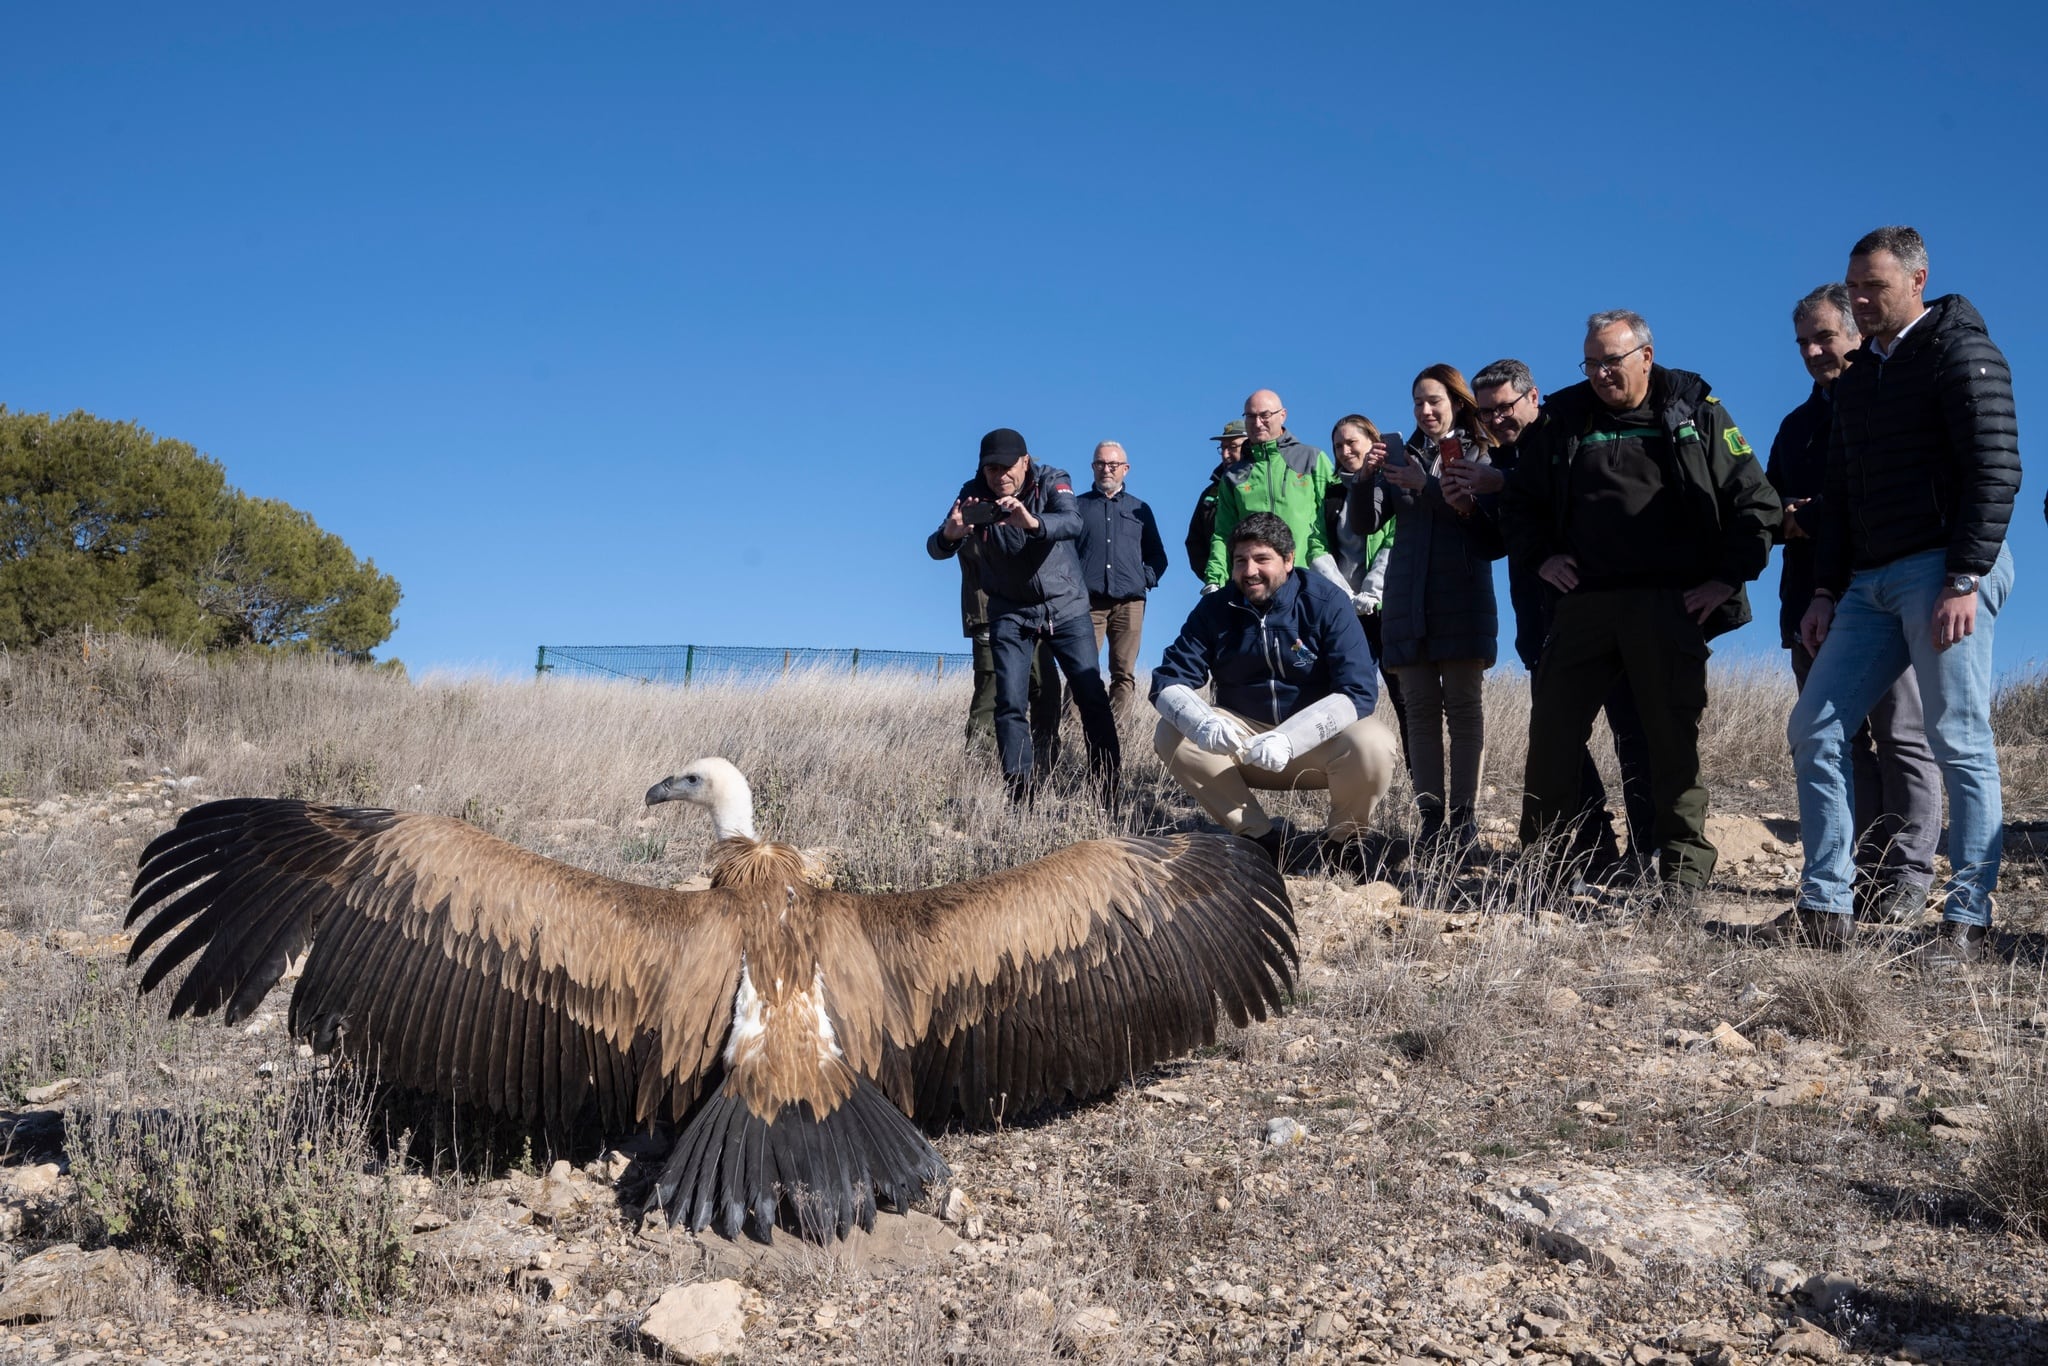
(663, 791)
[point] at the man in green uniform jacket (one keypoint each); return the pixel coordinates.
(1280, 475)
(1643, 506)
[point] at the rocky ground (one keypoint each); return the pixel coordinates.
(1596, 1134)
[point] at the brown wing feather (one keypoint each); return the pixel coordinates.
(1058, 979)
(461, 963)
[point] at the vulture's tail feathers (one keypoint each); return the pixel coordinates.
(735, 1172)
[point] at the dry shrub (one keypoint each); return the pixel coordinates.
(1840, 997)
(2010, 1169)
(273, 1197)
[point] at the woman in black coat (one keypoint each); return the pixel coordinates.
(1441, 626)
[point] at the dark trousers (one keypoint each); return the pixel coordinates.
(1534, 602)
(1599, 638)
(1390, 687)
(1898, 784)
(1119, 623)
(1045, 699)
(1072, 642)
(1632, 754)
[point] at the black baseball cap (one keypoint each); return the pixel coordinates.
(1004, 445)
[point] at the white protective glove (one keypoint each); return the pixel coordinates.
(1307, 728)
(1209, 588)
(1272, 751)
(1326, 565)
(1365, 604)
(1208, 728)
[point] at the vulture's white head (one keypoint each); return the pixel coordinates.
(717, 786)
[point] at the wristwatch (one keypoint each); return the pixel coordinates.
(1962, 583)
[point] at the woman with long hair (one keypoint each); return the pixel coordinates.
(1441, 627)
(1359, 451)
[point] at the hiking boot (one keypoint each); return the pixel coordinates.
(1803, 928)
(1958, 944)
(1274, 843)
(1891, 903)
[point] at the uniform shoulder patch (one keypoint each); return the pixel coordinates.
(1736, 444)
(1712, 399)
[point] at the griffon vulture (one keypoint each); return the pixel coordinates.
(792, 1033)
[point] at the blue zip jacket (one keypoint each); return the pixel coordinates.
(1122, 556)
(1268, 665)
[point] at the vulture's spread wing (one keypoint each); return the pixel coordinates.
(461, 964)
(1061, 978)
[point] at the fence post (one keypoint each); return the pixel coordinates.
(540, 662)
(785, 663)
(856, 661)
(689, 662)
(941, 675)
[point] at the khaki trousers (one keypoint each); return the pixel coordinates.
(1356, 765)
(1122, 624)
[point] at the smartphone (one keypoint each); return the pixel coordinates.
(1397, 452)
(1451, 449)
(979, 513)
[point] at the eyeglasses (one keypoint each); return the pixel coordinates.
(1001, 466)
(1109, 464)
(1607, 364)
(1502, 409)
(1267, 416)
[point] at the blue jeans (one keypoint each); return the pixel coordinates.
(1013, 642)
(1884, 623)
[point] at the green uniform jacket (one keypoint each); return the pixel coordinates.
(1285, 478)
(1737, 510)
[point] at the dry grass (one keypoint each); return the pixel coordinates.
(1474, 1029)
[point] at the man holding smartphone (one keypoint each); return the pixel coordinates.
(1023, 518)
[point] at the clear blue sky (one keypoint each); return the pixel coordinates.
(667, 323)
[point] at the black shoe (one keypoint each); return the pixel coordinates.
(1890, 903)
(1364, 858)
(1274, 843)
(1803, 928)
(1959, 945)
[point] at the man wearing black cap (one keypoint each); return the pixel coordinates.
(1023, 518)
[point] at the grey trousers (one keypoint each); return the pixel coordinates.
(1898, 784)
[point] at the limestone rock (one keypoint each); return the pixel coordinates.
(1285, 1131)
(1810, 1343)
(1726, 1039)
(1777, 1278)
(1742, 839)
(1089, 1328)
(1034, 1306)
(704, 1322)
(63, 1280)
(1613, 1220)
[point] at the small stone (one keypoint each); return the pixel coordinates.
(1034, 1306)
(392, 1345)
(427, 1220)
(1811, 1343)
(1298, 1050)
(1726, 1039)
(972, 1227)
(1328, 1326)
(1166, 1095)
(1777, 1278)
(957, 1206)
(1222, 1204)
(1542, 1325)
(1828, 1290)
(56, 1090)
(1562, 1001)
(702, 1322)
(616, 1165)
(1088, 1328)
(1284, 1131)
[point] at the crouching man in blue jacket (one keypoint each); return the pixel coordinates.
(1295, 690)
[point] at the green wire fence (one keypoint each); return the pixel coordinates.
(684, 665)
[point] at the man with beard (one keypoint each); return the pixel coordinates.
(1295, 690)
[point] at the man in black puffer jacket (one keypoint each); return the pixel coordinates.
(1642, 505)
(1911, 568)
(1024, 517)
